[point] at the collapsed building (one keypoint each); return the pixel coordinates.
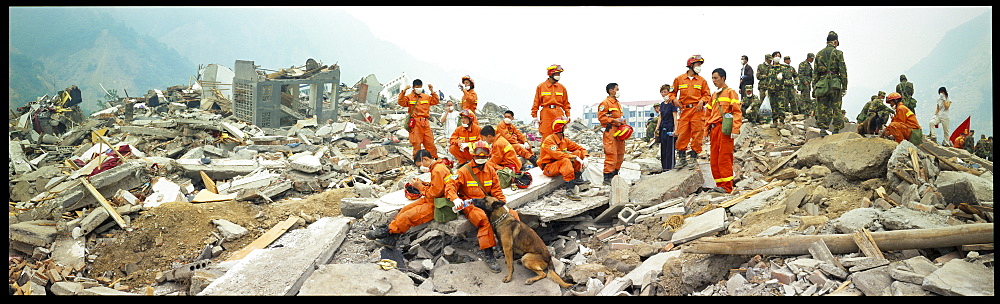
(811, 214)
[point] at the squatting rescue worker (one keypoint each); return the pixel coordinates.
(478, 180)
(550, 96)
(421, 210)
(903, 122)
(470, 100)
(419, 103)
(690, 95)
(502, 154)
(464, 136)
(611, 118)
(506, 129)
(725, 103)
(561, 156)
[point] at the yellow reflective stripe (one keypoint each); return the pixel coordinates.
(613, 109)
(726, 99)
(697, 86)
(708, 106)
(546, 93)
(461, 138)
(413, 102)
(425, 101)
(508, 148)
(488, 182)
(683, 86)
(724, 179)
(559, 93)
(450, 177)
(471, 138)
(471, 183)
(909, 113)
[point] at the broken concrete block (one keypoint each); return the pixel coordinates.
(899, 288)
(64, 288)
(873, 282)
(962, 187)
(305, 162)
(754, 202)
(912, 270)
(653, 264)
(37, 233)
(229, 230)
(856, 219)
(705, 224)
(657, 188)
(858, 159)
(901, 218)
(960, 278)
(164, 191)
(809, 152)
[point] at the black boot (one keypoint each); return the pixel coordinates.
(570, 193)
(693, 159)
(533, 160)
(607, 177)
(491, 261)
(681, 160)
(578, 179)
(382, 236)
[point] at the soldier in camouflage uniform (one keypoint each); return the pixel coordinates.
(875, 106)
(905, 88)
(831, 75)
(794, 104)
(762, 81)
(984, 148)
(751, 106)
(805, 84)
(779, 83)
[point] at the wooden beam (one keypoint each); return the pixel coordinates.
(954, 166)
(209, 183)
(730, 202)
(783, 162)
(864, 240)
(107, 206)
(951, 236)
(881, 193)
(266, 238)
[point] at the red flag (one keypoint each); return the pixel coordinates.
(962, 128)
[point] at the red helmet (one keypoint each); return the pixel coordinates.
(411, 192)
(469, 78)
(480, 148)
(522, 180)
(555, 68)
(559, 124)
(893, 96)
(695, 58)
(624, 132)
(467, 113)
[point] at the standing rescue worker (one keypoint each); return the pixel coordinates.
(763, 83)
(502, 154)
(419, 103)
(506, 129)
(805, 84)
(690, 95)
(460, 144)
(561, 156)
(550, 96)
(611, 118)
(725, 105)
(470, 100)
(830, 82)
(903, 122)
(478, 180)
(421, 210)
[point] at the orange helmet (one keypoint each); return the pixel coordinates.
(480, 148)
(469, 78)
(522, 180)
(467, 113)
(555, 68)
(411, 192)
(559, 125)
(624, 132)
(893, 96)
(695, 58)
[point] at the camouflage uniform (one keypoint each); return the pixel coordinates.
(777, 91)
(970, 142)
(905, 88)
(984, 148)
(791, 78)
(805, 84)
(762, 82)
(875, 106)
(751, 106)
(830, 65)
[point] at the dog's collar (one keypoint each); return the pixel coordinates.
(502, 217)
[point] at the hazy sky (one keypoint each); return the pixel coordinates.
(641, 48)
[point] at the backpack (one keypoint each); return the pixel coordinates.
(506, 177)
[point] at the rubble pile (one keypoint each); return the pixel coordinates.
(162, 193)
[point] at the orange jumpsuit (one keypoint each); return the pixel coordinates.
(515, 137)
(464, 186)
(470, 100)
(552, 98)
(721, 155)
(502, 155)
(420, 107)
(557, 157)
(902, 123)
(614, 150)
(422, 210)
(690, 125)
(463, 137)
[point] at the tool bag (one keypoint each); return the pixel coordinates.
(506, 176)
(916, 136)
(442, 210)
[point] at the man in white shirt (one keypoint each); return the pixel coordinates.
(449, 119)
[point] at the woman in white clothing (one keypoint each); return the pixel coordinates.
(941, 115)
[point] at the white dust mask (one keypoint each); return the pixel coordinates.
(481, 161)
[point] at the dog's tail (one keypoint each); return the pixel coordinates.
(555, 277)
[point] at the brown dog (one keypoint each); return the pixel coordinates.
(872, 125)
(519, 239)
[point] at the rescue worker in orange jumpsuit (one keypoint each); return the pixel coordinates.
(508, 130)
(690, 96)
(561, 156)
(725, 103)
(419, 103)
(421, 210)
(550, 96)
(611, 117)
(464, 136)
(502, 153)
(470, 100)
(903, 122)
(478, 180)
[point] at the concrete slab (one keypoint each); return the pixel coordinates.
(960, 278)
(476, 279)
(706, 174)
(657, 188)
(652, 264)
(359, 280)
(282, 268)
(556, 209)
(705, 224)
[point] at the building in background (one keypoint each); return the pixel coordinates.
(390, 91)
(635, 112)
(266, 100)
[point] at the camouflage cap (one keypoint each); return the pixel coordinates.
(902, 77)
(831, 36)
(768, 56)
(881, 93)
(748, 87)
(810, 55)
(874, 97)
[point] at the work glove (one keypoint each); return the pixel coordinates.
(843, 93)
(459, 204)
(526, 146)
(779, 76)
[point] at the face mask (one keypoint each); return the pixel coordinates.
(697, 69)
(507, 120)
(556, 78)
(418, 90)
(425, 169)
(776, 60)
(481, 161)
(617, 94)
(465, 125)
(666, 98)
(943, 97)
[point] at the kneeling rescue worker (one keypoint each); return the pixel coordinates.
(562, 156)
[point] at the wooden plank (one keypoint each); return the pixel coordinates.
(977, 247)
(894, 240)
(881, 193)
(950, 164)
(864, 240)
(733, 201)
(266, 238)
(107, 206)
(209, 183)
(783, 162)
